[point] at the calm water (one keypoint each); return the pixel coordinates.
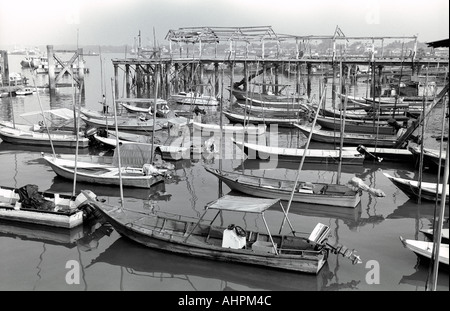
(35, 258)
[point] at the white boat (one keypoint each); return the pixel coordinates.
(255, 151)
(194, 98)
(411, 188)
(28, 205)
(424, 249)
(25, 91)
(231, 128)
(144, 105)
(136, 170)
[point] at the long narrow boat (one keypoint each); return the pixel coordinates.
(28, 205)
(250, 129)
(267, 97)
(411, 188)
(306, 192)
(194, 98)
(354, 139)
(255, 151)
(200, 238)
(144, 105)
(429, 233)
(423, 250)
(240, 118)
(29, 137)
(431, 158)
(302, 108)
(104, 170)
(124, 123)
(357, 126)
(57, 121)
(362, 114)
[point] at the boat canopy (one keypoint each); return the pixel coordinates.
(133, 154)
(242, 204)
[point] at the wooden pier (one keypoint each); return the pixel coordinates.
(194, 60)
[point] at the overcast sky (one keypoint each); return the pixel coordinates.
(28, 23)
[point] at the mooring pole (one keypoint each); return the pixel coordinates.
(51, 69)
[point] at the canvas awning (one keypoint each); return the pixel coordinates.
(242, 204)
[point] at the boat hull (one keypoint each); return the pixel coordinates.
(296, 155)
(14, 136)
(270, 191)
(168, 240)
(132, 178)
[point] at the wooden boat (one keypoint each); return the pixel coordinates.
(250, 129)
(28, 205)
(362, 114)
(29, 137)
(135, 171)
(429, 233)
(383, 154)
(61, 134)
(389, 141)
(241, 94)
(301, 108)
(200, 238)
(306, 192)
(240, 118)
(430, 156)
(255, 151)
(124, 123)
(357, 126)
(144, 105)
(25, 91)
(423, 249)
(194, 98)
(411, 188)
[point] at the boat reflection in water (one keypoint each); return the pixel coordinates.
(189, 273)
(157, 192)
(84, 237)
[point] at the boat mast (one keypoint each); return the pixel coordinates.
(77, 129)
(10, 101)
(440, 220)
(305, 150)
(117, 144)
(43, 116)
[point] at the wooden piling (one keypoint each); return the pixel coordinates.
(51, 69)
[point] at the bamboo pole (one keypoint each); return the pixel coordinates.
(303, 157)
(117, 146)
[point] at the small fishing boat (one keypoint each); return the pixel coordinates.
(124, 123)
(250, 129)
(322, 156)
(300, 108)
(431, 158)
(411, 188)
(429, 233)
(135, 170)
(354, 139)
(194, 98)
(305, 192)
(28, 205)
(423, 250)
(357, 126)
(145, 105)
(244, 119)
(25, 91)
(198, 237)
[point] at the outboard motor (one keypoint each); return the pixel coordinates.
(368, 155)
(392, 122)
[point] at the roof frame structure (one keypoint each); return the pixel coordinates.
(220, 34)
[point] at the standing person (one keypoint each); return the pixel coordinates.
(105, 106)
